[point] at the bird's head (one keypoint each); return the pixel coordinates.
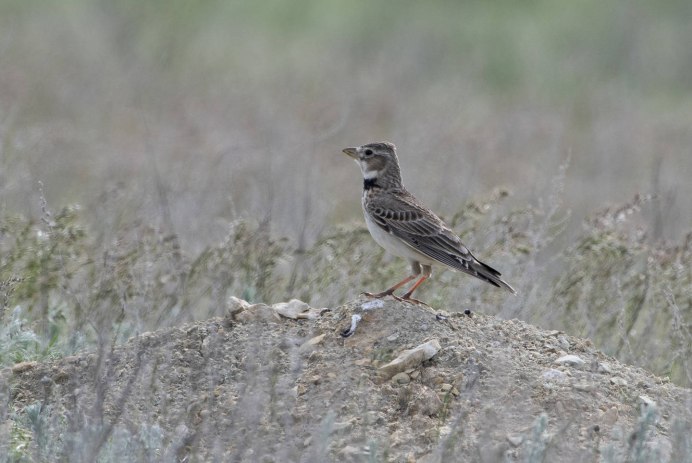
(376, 160)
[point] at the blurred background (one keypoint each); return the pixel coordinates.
(157, 157)
(199, 112)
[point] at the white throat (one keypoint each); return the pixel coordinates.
(368, 174)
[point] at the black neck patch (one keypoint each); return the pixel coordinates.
(370, 183)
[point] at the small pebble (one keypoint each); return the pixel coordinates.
(23, 366)
(515, 439)
(554, 375)
(584, 387)
(571, 360)
(370, 305)
(564, 343)
(618, 381)
(311, 343)
(427, 403)
(401, 378)
(646, 402)
(611, 416)
(604, 367)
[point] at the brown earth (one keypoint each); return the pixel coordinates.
(257, 386)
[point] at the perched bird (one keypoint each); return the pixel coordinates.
(404, 227)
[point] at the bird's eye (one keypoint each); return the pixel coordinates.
(368, 152)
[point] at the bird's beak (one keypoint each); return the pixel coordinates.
(353, 152)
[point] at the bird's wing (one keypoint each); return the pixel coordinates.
(418, 227)
(401, 215)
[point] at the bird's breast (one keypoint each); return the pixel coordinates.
(391, 243)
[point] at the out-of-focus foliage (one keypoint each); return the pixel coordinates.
(195, 113)
(201, 142)
(631, 297)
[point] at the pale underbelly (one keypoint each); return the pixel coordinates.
(394, 245)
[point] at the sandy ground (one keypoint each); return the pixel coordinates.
(258, 386)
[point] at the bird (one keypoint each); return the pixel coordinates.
(406, 228)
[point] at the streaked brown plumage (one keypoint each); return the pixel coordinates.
(406, 228)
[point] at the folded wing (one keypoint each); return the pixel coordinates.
(421, 229)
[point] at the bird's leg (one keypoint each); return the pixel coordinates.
(390, 291)
(407, 297)
(427, 271)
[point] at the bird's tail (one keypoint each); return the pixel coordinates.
(492, 276)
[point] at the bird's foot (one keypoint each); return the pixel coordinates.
(411, 300)
(388, 293)
(378, 295)
(404, 298)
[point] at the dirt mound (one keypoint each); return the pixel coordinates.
(258, 386)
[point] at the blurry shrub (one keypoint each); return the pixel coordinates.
(632, 297)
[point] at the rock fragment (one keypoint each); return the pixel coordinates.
(515, 439)
(297, 309)
(426, 402)
(235, 305)
(604, 367)
(571, 360)
(257, 313)
(21, 367)
(646, 404)
(616, 380)
(411, 358)
(310, 344)
(553, 375)
(294, 309)
(371, 305)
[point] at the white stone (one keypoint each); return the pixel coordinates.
(554, 375)
(571, 360)
(310, 344)
(515, 439)
(371, 305)
(291, 309)
(411, 358)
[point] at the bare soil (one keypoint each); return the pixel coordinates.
(255, 386)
